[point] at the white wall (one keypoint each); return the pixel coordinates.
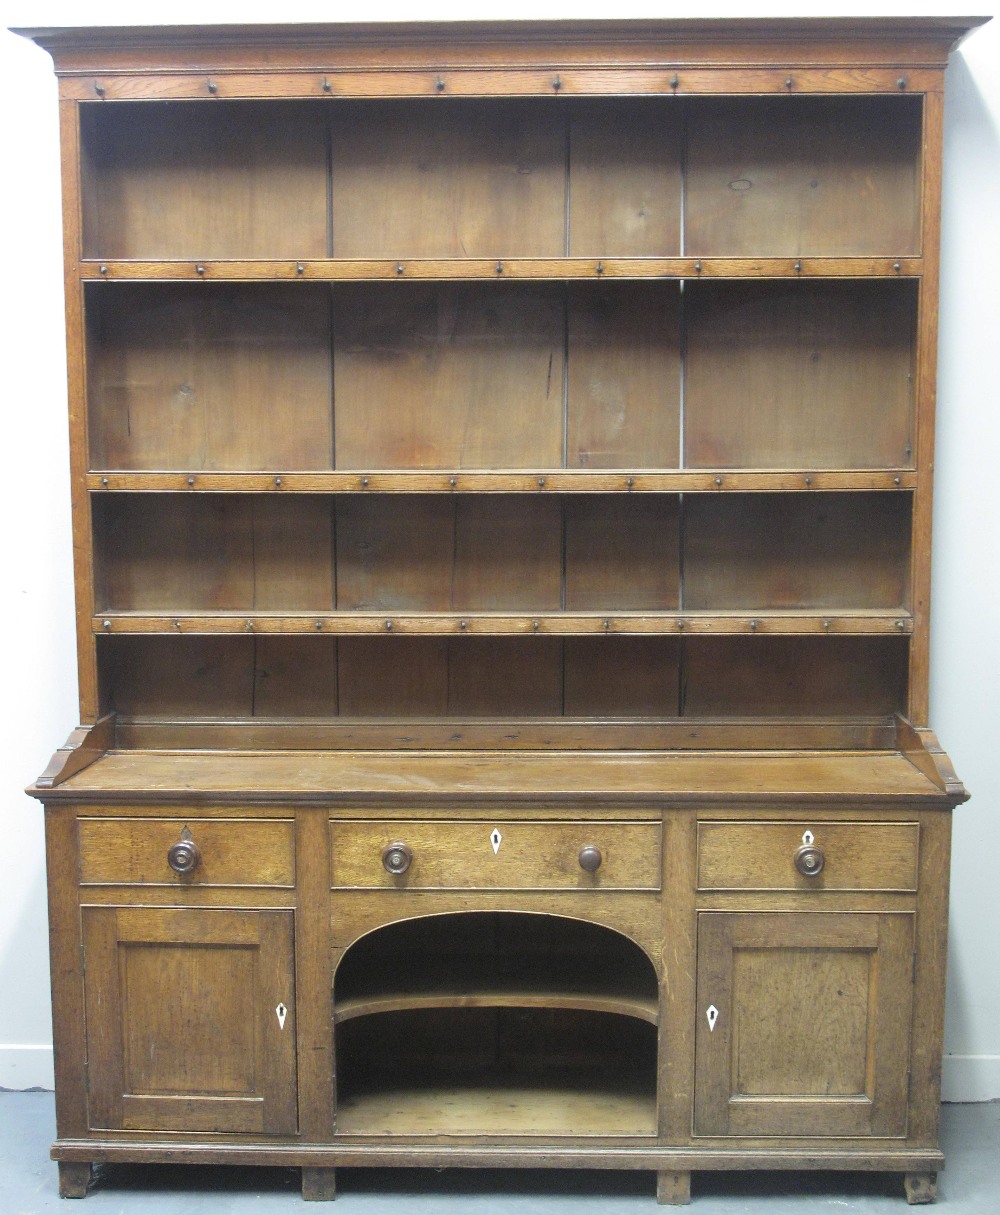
(36, 613)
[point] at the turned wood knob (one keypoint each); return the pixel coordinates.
(809, 860)
(590, 858)
(184, 856)
(397, 857)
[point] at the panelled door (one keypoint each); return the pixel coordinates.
(190, 1021)
(803, 1023)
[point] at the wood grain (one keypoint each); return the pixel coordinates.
(801, 676)
(237, 852)
(786, 375)
(823, 550)
(624, 376)
(826, 1061)
(173, 677)
(557, 269)
(195, 181)
(760, 856)
(449, 376)
(496, 1106)
(625, 179)
(171, 978)
(460, 854)
(622, 553)
(455, 178)
(879, 778)
(564, 481)
(621, 677)
(803, 175)
(195, 377)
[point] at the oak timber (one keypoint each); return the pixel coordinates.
(501, 466)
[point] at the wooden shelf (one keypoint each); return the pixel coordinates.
(497, 1105)
(555, 269)
(443, 777)
(793, 623)
(528, 481)
(435, 986)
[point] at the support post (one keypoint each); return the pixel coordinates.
(673, 1189)
(319, 1185)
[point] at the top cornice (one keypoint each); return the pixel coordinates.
(911, 39)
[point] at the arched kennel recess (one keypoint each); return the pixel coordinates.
(495, 1023)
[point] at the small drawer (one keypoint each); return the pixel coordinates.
(843, 856)
(496, 855)
(227, 852)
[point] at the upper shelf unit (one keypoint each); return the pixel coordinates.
(779, 177)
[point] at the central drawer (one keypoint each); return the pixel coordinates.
(450, 854)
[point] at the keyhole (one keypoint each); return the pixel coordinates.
(495, 839)
(712, 1014)
(282, 1013)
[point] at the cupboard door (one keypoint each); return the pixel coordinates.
(803, 1023)
(190, 1021)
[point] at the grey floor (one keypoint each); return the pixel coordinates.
(970, 1186)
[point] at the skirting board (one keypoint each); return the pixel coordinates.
(964, 1078)
(970, 1078)
(24, 1067)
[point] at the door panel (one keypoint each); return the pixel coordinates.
(811, 1030)
(183, 1024)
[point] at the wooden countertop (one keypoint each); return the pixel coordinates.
(556, 775)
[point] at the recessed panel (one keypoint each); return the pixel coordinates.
(816, 1045)
(172, 1043)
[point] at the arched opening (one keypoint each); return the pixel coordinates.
(496, 1023)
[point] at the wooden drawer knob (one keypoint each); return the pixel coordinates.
(397, 857)
(185, 856)
(590, 858)
(809, 860)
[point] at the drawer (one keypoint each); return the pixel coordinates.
(231, 852)
(497, 855)
(761, 856)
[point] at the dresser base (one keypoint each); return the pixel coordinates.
(673, 1166)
